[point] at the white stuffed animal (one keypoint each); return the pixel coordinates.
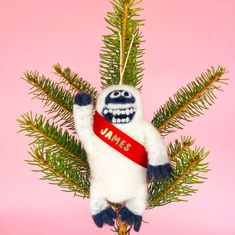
(114, 177)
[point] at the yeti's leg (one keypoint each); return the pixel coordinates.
(101, 212)
(134, 209)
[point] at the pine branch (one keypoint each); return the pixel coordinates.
(60, 170)
(52, 138)
(75, 82)
(122, 47)
(189, 101)
(55, 97)
(176, 148)
(188, 166)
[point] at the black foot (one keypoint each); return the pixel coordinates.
(82, 99)
(106, 216)
(130, 218)
(159, 172)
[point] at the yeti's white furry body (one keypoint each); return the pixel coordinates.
(114, 177)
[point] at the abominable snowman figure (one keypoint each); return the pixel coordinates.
(114, 177)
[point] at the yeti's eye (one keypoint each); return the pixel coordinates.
(115, 94)
(126, 94)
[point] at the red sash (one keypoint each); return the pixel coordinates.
(120, 141)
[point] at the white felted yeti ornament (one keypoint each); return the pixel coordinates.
(124, 153)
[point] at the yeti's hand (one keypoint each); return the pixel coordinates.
(159, 172)
(82, 99)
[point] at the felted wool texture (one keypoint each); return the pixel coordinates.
(114, 177)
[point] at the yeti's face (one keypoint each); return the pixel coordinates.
(119, 106)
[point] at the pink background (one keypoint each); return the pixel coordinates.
(183, 38)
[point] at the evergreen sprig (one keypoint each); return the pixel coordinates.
(174, 149)
(189, 101)
(122, 45)
(188, 166)
(51, 137)
(58, 101)
(75, 82)
(60, 170)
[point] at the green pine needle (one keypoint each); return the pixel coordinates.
(189, 101)
(58, 101)
(123, 23)
(188, 166)
(60, 170)
(75, 82)
(51, 137)
(174, 149)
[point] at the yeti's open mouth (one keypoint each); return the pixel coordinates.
(119, 113)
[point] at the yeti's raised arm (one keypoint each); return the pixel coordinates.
(83, 117)
(158, 161)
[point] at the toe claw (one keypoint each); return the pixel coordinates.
(130, 218)
(107, 219)
(98, 220)
(112, 212)
(137, 223)
(106, 216)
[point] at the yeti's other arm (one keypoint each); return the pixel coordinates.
(158, 162)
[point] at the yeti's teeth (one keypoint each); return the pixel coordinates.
(127, 119)
(113, 120)
(127, 111)
(110, 110)
(106, 111)
(118, 112)
(123, 120)
(134, 109)
(119, 106)
(114, 112)
(118, 120)
(131, 110)
(123, 111)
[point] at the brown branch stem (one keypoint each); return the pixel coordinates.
(121, 227)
